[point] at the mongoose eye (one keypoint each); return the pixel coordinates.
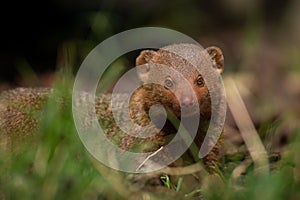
(168, 83)
(200, 81)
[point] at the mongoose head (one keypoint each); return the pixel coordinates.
(167, 57)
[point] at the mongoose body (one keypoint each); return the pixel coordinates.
(19, 106)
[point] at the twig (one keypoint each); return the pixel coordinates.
(148, 157)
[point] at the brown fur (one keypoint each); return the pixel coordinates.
(150, 94)
(19, 108)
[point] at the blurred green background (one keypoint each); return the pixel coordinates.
(259, 38)
(255, 35)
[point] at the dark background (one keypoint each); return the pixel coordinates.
(33, 32)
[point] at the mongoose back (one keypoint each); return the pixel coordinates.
(18, 106)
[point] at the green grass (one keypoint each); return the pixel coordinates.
(54, 164)
(57, 166)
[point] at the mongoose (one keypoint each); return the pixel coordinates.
(151, 94)
(19, 107)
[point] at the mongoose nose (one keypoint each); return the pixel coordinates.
(187, 101)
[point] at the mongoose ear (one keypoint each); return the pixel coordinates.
(217, 58)
(141, 64)
(144, 57)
